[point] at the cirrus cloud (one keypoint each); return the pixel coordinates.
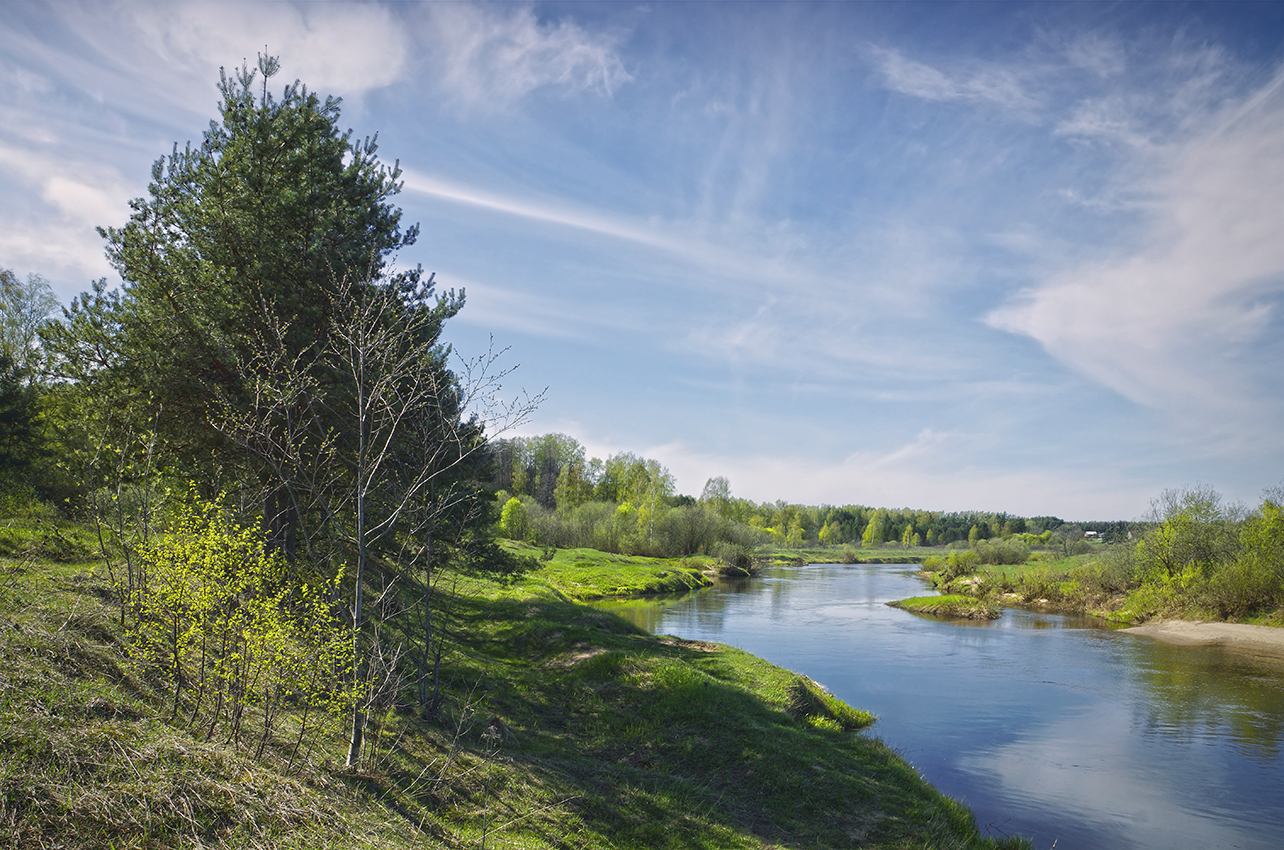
(1173, 323)
(491, 56)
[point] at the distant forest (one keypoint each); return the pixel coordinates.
(554, 495)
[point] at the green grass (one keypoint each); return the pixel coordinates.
(587, 574)
(951, 605)
(563, 727)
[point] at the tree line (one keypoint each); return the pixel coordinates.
(553, 494)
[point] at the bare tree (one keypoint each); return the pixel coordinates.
(366, 439)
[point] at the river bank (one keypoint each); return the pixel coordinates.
(1260, 640)
(1098, 584)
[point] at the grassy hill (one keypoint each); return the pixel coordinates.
(563, 728)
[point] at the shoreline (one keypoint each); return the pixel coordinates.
(1242, 637)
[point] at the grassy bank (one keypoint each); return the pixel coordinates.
(1093, 583)
(953, 606)
(1199, 558)
(1098, 584)
(587, 574)
(563, 727)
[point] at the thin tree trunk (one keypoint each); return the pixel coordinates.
(360, 669)
(427, 708)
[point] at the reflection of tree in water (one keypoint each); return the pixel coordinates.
(1198, 692)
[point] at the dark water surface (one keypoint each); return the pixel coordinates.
(1045, 725)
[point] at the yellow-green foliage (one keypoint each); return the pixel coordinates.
(1205, 558)
(228, 623)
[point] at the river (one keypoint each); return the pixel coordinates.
(1075, 736)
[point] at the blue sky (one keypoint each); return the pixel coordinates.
(1021, 257)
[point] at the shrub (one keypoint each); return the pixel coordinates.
(1002, 552)
(1254, 580)
(1195, 530)
(225, 621)
(514, 523)
(960, 563)
(736, 558)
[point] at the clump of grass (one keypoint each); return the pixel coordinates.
(952, 606)
(812, 704)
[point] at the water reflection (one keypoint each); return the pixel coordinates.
(1045, 725)
(1209, 694)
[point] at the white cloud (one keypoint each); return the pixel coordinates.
(1107, 119)
(59, 238)
(1168, 323)
(523, 310)
(538, 210)
(344, 48)
(981, 83)
(730, 262)
(25, 81)
(493, 55)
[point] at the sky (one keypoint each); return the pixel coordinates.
(1010, 257)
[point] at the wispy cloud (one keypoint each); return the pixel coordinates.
(77, 197)
(490, 56)
(519, 308)
(977, 82)
(1168, 322)
(1108, 119)
(1099, 54)
(737, 256)
(925, 473)
(545, 212)
(344, 48)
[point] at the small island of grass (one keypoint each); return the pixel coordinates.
(952, 606)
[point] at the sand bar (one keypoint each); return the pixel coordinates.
(1266, 640)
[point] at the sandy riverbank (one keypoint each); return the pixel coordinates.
(1264, 640)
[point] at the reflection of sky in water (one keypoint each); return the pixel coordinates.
(1045, 726)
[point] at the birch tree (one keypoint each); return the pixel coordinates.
(373, 438)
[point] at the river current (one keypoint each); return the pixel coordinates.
(1075, 736)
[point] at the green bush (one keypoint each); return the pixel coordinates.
(1195, 530)
(227, 624)
(959, 563)
(1002, 551)
(19, 499)
(1254, 580)
(736, 558)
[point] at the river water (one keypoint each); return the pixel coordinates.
(1075, 736)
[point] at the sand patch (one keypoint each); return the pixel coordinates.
(1266, 640)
